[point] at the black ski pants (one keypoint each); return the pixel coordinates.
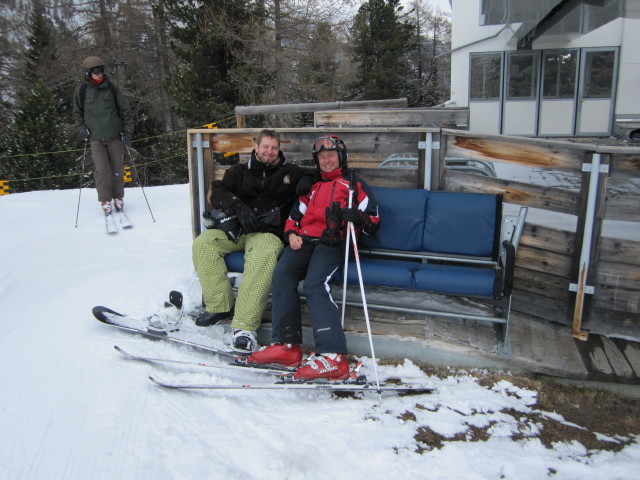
(316, 264)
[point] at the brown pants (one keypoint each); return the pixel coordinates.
(108, 159)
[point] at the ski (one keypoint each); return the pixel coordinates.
(110, 224)
(124, 220)
(139, 327)
(234, 365)
(356, 385)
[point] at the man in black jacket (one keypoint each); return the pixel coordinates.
(260, 193)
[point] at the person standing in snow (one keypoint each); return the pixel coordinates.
(103, 117)
(266, 184)
(315, 232)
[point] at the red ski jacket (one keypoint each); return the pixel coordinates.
(308, 217)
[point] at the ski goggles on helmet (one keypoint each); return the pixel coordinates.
(97, 70)
(327, 143)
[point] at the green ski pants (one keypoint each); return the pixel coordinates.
(261, 252)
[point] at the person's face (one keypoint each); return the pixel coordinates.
(97, 73)
(328, 160)
(268, 150)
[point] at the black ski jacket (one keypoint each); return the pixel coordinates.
(262, 187)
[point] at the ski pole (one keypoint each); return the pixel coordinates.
(346, 264)
(84, 154)
(352, 233)
(135, 170)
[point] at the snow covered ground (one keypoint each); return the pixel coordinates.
(73, 408)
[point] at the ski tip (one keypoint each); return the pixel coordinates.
(99, 311)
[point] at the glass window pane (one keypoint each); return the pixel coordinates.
(559, 74)
(598, 74)
(523, 76)
(485, 76)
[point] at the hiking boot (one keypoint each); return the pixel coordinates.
(206, 319)
(119, 203)
(330, 366)
(245, 341)
(106, 208)
(167, 319)
(287, 355)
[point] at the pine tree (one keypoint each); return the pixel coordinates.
(32, 139)
(37, 130)
(318, 69)
(381, 45)
(201, 86)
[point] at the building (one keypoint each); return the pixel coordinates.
(547, 67)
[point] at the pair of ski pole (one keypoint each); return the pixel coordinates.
(351, 238)
(135, 170)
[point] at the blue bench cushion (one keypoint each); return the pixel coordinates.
(460, 223)
(385, 273)
(449, 279)
(455, 279)
(234, 262)
(402, 214)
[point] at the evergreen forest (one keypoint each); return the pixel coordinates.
(188, 63)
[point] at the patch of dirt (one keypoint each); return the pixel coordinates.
(586, 413)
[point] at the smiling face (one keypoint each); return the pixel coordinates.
(267, 150)
(328, 160)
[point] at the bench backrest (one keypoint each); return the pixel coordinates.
(455, 223)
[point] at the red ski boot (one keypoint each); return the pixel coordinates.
(287, 355)
(332, 366)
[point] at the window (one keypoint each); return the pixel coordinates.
(598, 74)
(522, 76)
(559, 76)
(486, 71)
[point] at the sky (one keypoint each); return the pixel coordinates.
(71, 407)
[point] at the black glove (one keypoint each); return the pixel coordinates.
(355, 216)
(304, 184)
(125, 138)
(247, 217)
(331, 234)
(85, 133)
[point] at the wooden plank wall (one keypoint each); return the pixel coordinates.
(547, 260)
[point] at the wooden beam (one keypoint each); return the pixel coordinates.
(316, 107)
(547, 198)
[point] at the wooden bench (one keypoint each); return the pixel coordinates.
(448, 243)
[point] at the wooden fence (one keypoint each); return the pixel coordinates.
(564, 275)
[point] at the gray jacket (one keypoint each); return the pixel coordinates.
(104, 112)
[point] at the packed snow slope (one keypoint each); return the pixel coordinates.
(71, 407)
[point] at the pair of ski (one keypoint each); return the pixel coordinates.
(236, 361)
(110, 222)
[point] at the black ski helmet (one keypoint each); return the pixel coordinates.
(224, 221)
(330, 142)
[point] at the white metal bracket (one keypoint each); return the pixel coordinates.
(204, 144)
(590, 289)
(434, 145)
(604, 168)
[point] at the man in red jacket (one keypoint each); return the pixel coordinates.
(315, 232)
